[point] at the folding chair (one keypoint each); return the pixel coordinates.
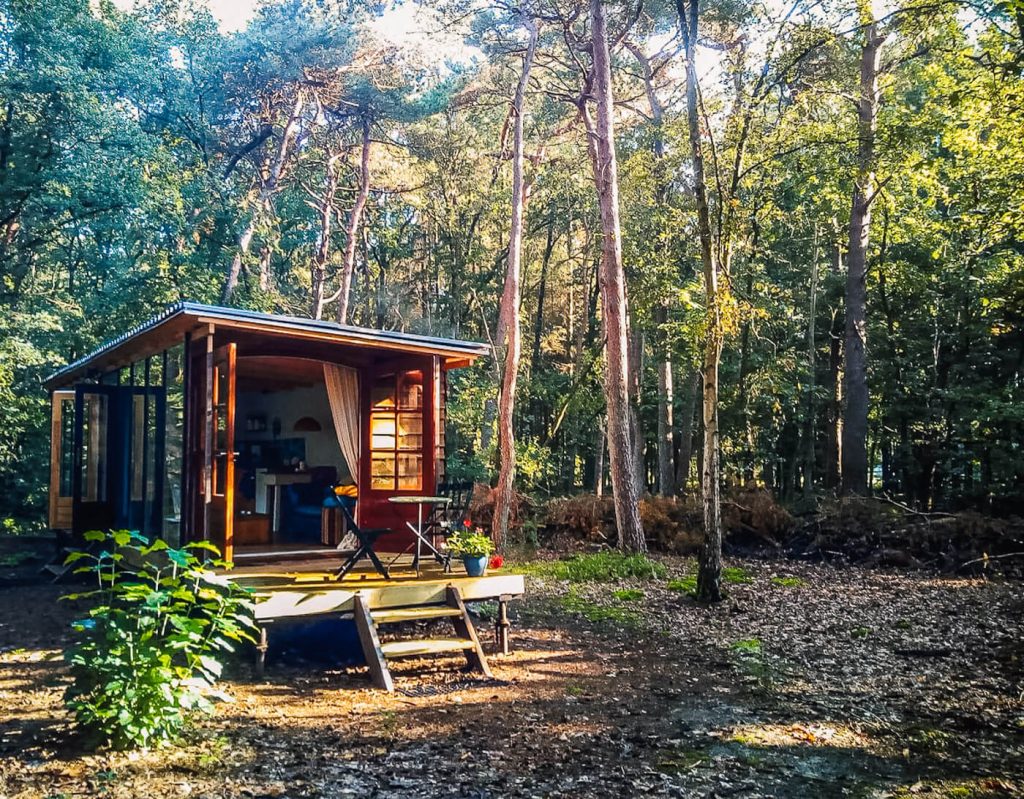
(367, 538)
(448, 518)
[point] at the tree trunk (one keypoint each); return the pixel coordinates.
(613, 293)
(635, 359)
(855, 388)
(538, 327)
(510, 310)
(600, 444)
(666, 431)
(266, 194)
(323, 244)
(686, 430)
(709, 572)
(666, 425)
(352, 230)
(809, 449)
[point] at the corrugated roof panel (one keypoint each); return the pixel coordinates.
(345, 334)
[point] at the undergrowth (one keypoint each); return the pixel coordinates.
(731, 575)
(576, 603)
(599, 567)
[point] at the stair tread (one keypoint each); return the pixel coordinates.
(425, 646)
(393, 615)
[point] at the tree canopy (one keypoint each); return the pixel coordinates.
(147, 156)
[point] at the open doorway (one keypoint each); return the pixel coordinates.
(288, 455)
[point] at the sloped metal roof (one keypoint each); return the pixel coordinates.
(192, 312)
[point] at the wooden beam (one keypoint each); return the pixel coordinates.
(278, 600)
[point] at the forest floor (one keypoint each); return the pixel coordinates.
(806, 681)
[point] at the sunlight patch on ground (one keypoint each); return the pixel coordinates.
(813, 734)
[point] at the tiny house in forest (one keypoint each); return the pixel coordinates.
(218, 424)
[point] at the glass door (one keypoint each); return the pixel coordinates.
(94, 460)
(221, 460)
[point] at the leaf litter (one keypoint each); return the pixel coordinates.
(808, 680)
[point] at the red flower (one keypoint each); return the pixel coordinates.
(497, 561)
(467, 523)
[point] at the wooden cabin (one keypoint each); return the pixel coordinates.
(219, 424)
(230, 426)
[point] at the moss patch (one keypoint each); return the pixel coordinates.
(600, 567)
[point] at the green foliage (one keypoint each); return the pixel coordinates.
(598, 613)
(599, 567)
(470, 543)
(788, 582)
(752, 661)
(736, 575)
(731, 575)
(747, 646)
(684, 585)
(132, 158)
(628, 594)
(152, 646)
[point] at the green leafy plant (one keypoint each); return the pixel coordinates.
(470, 543)
(149, 652)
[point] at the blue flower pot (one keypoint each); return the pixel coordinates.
(476, 566)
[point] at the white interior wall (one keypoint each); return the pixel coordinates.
(289, 406)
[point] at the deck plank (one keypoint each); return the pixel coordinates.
(280, 597)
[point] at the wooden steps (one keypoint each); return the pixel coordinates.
(396, 615)
(424, 646)
(377, 654)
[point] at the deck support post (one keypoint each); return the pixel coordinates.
(502, 625)
(261, 652)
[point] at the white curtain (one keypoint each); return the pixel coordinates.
(343, 393)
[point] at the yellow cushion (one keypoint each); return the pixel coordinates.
(346, 491)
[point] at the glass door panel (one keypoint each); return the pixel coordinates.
(396, 432)
(221, 510)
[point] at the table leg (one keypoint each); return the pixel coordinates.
(419, 537)
(275, 524)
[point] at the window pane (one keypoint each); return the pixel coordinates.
(220, 466)
(410, 472)
(174, 445)
(410, 431)
(382, 471)
(382, 431)
(67, 446)
(138, 431)
(382, 394)
(94, 448)
(410, 390)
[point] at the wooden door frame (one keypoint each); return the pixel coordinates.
(61, 507)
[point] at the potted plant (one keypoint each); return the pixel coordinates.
(474, 547)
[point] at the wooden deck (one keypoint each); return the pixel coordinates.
(299, 589)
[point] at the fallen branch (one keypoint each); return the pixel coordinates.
(985, 558)
(921, 513)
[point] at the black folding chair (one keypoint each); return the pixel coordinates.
(446, 519)
(367, 538)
